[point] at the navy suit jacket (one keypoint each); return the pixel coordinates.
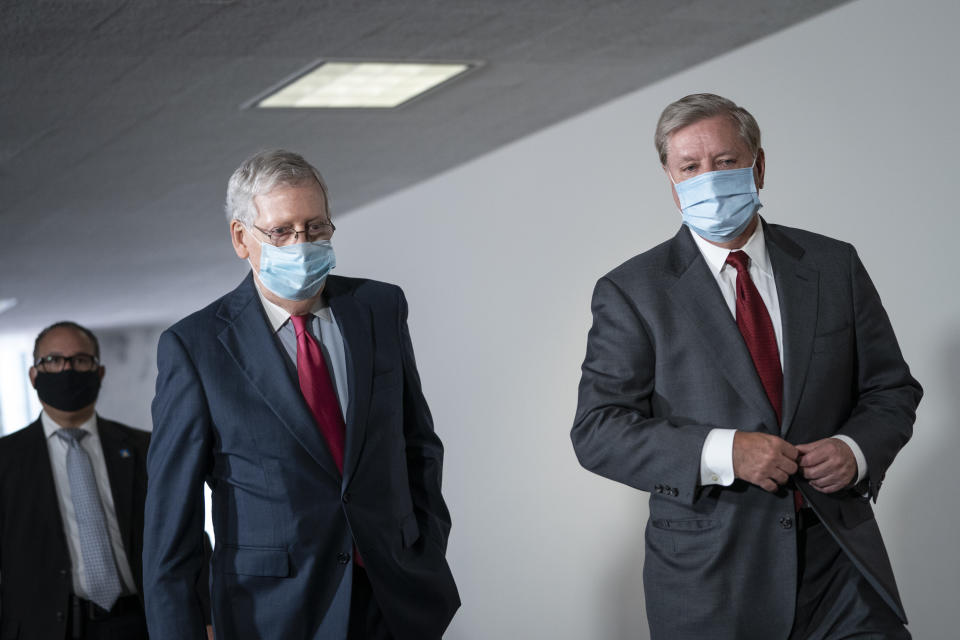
(666, 363)
(228, 411)
(35, 564)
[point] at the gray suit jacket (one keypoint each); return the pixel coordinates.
(666, 363)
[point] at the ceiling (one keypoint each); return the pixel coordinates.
(120, 121)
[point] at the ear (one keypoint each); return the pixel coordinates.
(33, 377)
(758, 170)
(103, 371)
(237, 233)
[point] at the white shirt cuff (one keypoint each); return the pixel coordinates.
(716, 458)
(857, 453)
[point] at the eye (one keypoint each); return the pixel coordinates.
(727, 162)
(281, 231)
(688, 168)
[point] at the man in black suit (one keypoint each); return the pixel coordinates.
(72, 490)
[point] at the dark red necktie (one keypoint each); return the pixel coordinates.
(757, 331)
(318, 391)
(755, 326)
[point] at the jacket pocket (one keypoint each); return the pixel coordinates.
(831, 341)
(254, 561)
(688, 534)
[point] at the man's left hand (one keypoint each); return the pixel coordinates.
(827, 464)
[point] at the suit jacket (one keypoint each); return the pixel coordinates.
(666, 363)
(229, 412)
(35, 571)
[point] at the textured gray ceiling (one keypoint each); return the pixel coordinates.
(120, 121)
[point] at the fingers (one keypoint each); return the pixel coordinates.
(763, 459)
(828, 464)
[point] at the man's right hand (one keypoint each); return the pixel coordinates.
(762, 459)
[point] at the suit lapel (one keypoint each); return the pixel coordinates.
(354, 321)
(248, 339)
(45, 489)
(121, 468)
(697, 293)
(798, 288)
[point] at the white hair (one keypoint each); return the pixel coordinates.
(263, 172)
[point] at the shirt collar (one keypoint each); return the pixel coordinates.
(277, 316)
(50, 427)
(716, 257)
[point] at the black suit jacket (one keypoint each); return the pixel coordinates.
(35, 571)
(666, 363)
(229, 412)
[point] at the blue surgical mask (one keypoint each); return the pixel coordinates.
(719, 205)
(296, 271)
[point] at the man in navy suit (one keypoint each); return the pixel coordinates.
(296, 397)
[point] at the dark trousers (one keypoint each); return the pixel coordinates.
(834, 600)
(366, 619)
(125, 621)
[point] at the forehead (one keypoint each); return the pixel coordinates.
(65, 341)
(717, 134)
(291, 202)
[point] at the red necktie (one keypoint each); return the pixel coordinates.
(317, 389)
(757, 331)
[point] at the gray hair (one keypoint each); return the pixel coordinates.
(263, 172)
(700, 106)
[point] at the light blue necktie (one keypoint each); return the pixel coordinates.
(102, 580)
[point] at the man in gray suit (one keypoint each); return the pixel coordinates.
(747, 376)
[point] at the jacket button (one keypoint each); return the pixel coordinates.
(63, 572)
(59, 616)
(674, 492)
(786, 522)
(346, 497)
(343, 558)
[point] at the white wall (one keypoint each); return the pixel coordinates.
(499, 257)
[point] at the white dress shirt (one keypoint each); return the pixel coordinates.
(716, 457)
(57, 449)
(325, 330)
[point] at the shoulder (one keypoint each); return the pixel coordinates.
(808, 240)
(25, 437)
(650, 269)
(119, 429)
(371, 292)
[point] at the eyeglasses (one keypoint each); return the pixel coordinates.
(314, 231)
(55, 363)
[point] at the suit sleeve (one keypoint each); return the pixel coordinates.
(881, 422)
(616, 433)
(423, 448)
(177, 463)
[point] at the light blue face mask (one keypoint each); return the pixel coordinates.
(296, 271)
(719, 205)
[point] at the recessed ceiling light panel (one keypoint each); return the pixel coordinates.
(352, 85)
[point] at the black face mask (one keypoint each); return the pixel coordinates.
(68, 390)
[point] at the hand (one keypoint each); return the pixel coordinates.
(828, 464)
(762, 459)
(209, 632)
